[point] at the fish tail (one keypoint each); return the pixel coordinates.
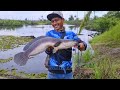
(21, 58)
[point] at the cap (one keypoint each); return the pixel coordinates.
(55, 14)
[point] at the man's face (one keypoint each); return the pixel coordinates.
(57, 23)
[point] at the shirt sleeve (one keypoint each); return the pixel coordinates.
(47, 34)
(75, 37)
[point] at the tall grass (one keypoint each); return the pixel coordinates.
(111, 36)
(105, 65)
(87, 56)
(102, 67)
(105, 69)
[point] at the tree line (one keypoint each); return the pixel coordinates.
(104, 23)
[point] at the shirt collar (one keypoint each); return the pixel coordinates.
(62, 30)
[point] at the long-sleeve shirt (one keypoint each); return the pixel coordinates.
(60, 62)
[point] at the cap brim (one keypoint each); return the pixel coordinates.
(51, 16)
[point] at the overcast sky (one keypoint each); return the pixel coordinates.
(36, 15)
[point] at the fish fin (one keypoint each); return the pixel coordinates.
(57, 44)
(21, 59)
(28, 45)
(55, 49)
(31, 57)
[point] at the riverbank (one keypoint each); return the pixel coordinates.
(105, 63)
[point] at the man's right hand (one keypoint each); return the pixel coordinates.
(49, 50)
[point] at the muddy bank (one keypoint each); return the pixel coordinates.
(13, 74)
(104, 50)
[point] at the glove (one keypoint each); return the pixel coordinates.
(49, 50)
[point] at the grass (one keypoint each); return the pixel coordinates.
(21, 75)
(5, 60)
(102, 66)
(87, 56)
(10, 42)
(110, 37)
(105, 63)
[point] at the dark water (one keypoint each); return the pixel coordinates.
(36, 64)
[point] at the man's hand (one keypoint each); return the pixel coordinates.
(49, 50)
(81, 47)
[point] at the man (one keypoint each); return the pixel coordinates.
(60, 64)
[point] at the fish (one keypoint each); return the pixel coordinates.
(40, 45)
(27, 46)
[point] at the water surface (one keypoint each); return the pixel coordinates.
(36, 64)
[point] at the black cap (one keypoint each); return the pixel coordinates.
(55, 14)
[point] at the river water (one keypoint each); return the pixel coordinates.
(36, 64)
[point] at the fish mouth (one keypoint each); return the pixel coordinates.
(75, 46)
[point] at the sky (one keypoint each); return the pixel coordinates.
(36, 15)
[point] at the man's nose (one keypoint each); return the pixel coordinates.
(54, 22)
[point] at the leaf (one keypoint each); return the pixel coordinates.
(85, 20)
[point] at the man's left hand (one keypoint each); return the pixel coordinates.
(81, 47)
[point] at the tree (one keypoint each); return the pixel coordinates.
(42, 18)
(113, 14)
(26, 19)
(85, 20)
(71, 18)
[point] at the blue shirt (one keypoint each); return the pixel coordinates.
(65, 57)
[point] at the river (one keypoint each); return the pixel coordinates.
(36, 64)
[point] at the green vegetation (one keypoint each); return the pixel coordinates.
(102, 24)
(82, 59)
(5, 60)
(12, 24)
(13, 74)
(87, 56)
(110, 37)
(85, 21)
(105, 63)
(10, 42)
(75, 22)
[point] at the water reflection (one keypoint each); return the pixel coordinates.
(73, 27)
(10, 27)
